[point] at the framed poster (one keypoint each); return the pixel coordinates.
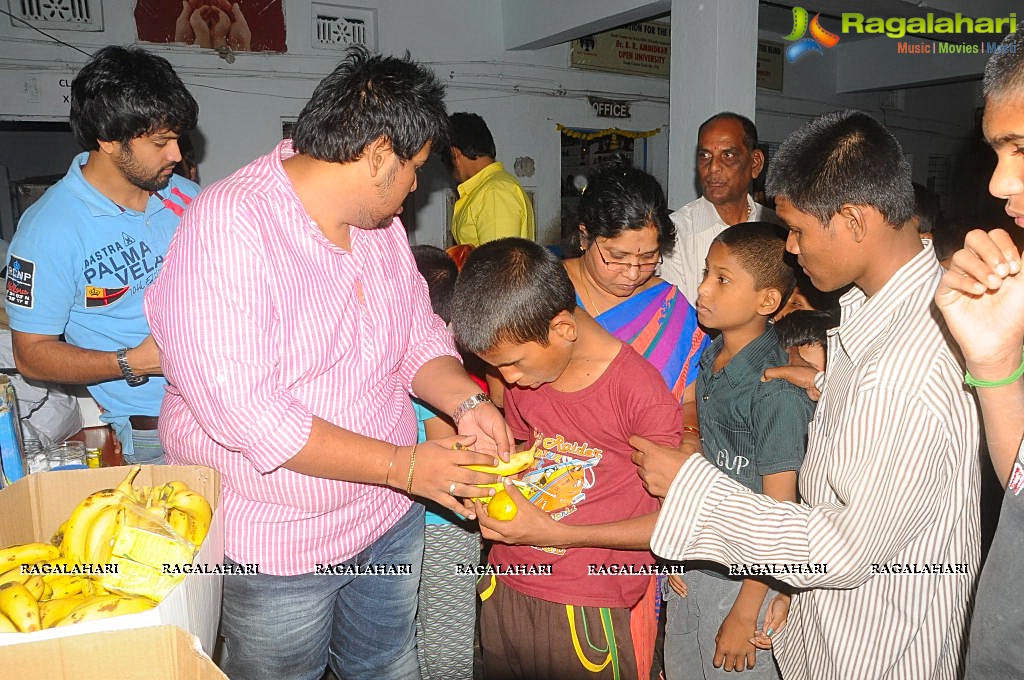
(241, 26)
(643, 48)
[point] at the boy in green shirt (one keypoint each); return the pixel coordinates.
(753, 431)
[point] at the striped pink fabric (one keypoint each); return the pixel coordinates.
(261, 326)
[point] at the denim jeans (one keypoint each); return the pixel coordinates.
(692, 622)
(138, 446)
(146, 448)
(292, 627)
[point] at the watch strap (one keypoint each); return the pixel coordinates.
(126, 371)
(468, 405)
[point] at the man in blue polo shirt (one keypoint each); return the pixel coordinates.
(87, 249)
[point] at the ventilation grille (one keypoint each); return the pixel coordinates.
(66, 15)
(938, 174)
(336, 27)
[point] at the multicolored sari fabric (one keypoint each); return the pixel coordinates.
(661, 325)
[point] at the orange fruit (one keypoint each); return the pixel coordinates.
(502, 506)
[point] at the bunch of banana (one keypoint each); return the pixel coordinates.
(13, 557)
(90, 533)
(87, 537)
(35, 591)
(187, 511)
(64, 600)
(138, 530)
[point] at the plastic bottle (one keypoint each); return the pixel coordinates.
(12, 467)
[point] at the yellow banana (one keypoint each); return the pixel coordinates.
(36, 586)
(58, 535)
(170, 489)
(150, 496)
(100, 540)
(53, 569)
(106, 606)
(17, 603)
(6, 625)
(517, 462)
(66, 585)
(13, 576)
(52, 611)
(89, 588)
(181, 523)
(155, 497)
(126, 487)
(485, 499)
(26, 553)
(197, 508)
(76, 533)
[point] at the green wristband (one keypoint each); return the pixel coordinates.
(1013, 377)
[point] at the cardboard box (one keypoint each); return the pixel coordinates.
(154, 653)
(34, 507)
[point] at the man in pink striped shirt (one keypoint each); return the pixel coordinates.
(292, 325)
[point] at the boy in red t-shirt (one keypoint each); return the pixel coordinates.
(581, 393)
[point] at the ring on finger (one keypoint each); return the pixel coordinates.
(451, 489)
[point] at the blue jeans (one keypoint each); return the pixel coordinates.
(692, 623)
(138, 446)
(292, 627)
(146, 448)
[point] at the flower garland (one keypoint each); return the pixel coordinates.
(612, 132)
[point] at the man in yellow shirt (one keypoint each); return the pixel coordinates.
(491, 203)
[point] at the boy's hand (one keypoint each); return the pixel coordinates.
(530, 526)
(657, 465)
(982, 300)
(676, 583)
(733, 649)
(774, 619)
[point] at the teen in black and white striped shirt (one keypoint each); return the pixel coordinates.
(886, 536)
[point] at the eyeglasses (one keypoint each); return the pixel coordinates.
(622, 267)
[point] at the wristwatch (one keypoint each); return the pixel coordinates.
(468, 405)
(126, 371)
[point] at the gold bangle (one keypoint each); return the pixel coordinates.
(391, 464)
(412, 467)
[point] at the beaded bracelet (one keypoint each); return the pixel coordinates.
(412, 466)
(1013, 377)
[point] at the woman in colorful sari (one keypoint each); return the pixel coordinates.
(624, 229)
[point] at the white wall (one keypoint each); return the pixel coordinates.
(936, 119)
(522, 95)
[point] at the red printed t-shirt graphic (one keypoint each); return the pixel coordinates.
(592, 424)
(101, 297)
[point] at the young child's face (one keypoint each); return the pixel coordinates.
(529, 364)
(813, 354)
(1004, 130)
(796, 301)
(726, 298)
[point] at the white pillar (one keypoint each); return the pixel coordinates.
(714, 61)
